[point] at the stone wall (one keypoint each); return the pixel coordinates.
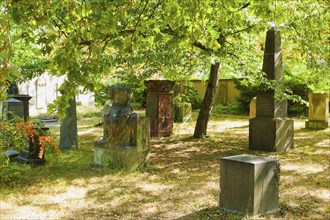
(44, 90)
(226, 91)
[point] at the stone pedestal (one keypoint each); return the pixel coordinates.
(160, 107)
(270, 134)
(271, 130)
(249, 184)
(318, 111)
(130, 150)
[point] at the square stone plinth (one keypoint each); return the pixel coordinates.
(126, 156)
(268, 134)
(249, 184)
(122, 158)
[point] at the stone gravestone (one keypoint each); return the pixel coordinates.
(182, 111)
(318, 111)
(125, 143)
(253, 106)
(68, 128)
(160, 107)
(249, 184)
(271, 130)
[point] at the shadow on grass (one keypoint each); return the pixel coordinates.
(212, 213)
(181, 178)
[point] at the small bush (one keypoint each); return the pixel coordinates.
(296, 93)
(228, 109)
(191, 96)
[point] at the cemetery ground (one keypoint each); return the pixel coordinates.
(181, 180)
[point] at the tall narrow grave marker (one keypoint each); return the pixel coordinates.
(271, 130)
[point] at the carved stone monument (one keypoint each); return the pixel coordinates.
(271, 130)
(318, 111)
(125, 143)
(249, 184)
(160, 107)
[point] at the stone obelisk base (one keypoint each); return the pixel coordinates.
(269, 134)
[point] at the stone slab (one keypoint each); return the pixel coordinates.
(268, 134)
(318, 109)
(253, 106)
(249, 184)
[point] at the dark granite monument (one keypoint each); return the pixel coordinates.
(11, 108)
(25, 99)
(160, 107)
(14, 103)
(125, 143)
(271, 130)
(249, 184)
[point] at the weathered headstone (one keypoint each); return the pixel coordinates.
(249, 184)
(68, 127)
(125, 143)
(253, 106)
(318, 111)
(271, 130)
(160, 107)
(182, 110)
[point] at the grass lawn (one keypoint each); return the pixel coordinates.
(181, 180)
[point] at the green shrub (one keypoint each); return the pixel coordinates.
(227, 109)
(248, 89)
(296, 92)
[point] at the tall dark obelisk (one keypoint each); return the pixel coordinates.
(271, 130)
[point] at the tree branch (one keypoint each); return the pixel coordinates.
(201, 46)
(242, 30)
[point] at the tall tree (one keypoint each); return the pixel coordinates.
(83, 39)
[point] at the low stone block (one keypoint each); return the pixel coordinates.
(118, 157)
(128, 155)
(268, 134)
(249, 184)
(317, 125)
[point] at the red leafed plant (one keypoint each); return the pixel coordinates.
(32, 132)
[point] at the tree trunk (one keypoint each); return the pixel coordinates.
(68, 128)
(208, 101)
